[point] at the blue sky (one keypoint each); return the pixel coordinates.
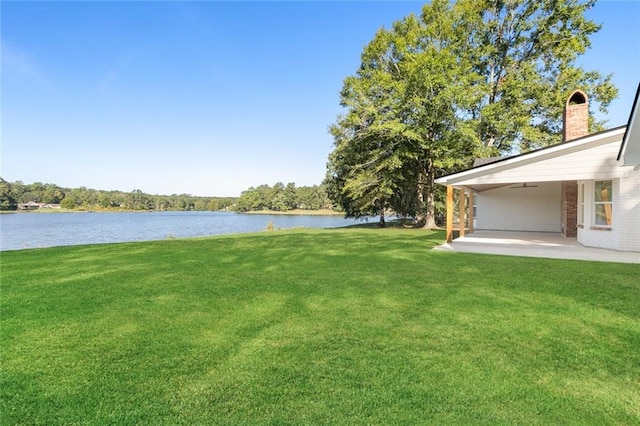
(205, 97)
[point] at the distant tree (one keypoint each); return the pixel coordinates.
(274, 199)
(104, 200)
(52, 194)
(117, 199)
(220, 203)
(188, 201)
(68, 203)
(291, 196)
(84, 197)
(7, 199)
(310, 198)
(29, 195)
(280, 198)
(161, 203)
(17, 189)
(252, 199)
(226, 202)
(138, 200)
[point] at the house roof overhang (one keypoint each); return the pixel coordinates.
(550, 164)
(629, 154)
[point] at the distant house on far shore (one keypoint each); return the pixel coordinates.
(32, 205)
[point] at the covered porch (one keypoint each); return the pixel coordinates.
(539, 206)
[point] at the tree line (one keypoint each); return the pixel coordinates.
(14, 193)
(465, 79)
(280, 197)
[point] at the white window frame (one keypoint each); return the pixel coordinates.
(596, 185)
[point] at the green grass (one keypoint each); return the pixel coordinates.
(345, 326)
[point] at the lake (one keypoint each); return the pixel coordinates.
(35, 230)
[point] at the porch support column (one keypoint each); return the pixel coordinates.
(470, 212)
(449, 213)
(462, 212)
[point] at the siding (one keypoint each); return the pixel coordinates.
(597, 162)
(591, 157)
(629, 207)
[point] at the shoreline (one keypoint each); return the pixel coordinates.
(296, 212)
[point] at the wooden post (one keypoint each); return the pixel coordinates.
(462, 212)
(470, 212)
(449, 213)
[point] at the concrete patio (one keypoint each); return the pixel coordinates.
(534, 244)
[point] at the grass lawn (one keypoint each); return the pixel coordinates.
(342, 326)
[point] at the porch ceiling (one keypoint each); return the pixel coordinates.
(483, 187)
(489, 186)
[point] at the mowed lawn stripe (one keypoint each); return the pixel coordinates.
(354, 326)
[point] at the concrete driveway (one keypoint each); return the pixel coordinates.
(534, 244)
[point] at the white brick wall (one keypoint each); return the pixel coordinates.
(536, 208)
(624, 234)
(629, 205)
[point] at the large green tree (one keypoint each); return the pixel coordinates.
(525, 52)
(405, 109)
(465, 79)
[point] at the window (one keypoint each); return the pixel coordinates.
(603, 190)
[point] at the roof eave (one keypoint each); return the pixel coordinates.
(515, 161)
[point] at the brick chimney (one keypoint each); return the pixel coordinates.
(575, 124)
(575, 120)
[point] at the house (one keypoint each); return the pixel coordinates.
(31, 205)
(587, 187)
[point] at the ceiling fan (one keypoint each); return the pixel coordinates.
(524, 185)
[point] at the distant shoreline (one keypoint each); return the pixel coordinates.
(298, 212)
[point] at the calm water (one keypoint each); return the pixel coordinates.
(33, 230)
